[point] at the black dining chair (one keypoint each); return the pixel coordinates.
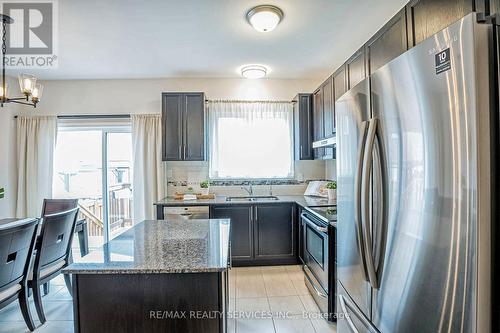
(17, 240)
(53, 253)
(51, 206)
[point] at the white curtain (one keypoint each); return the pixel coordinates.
(148, 180)
(251, 139)
(36, 141)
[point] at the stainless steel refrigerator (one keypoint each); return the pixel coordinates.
(415, 158)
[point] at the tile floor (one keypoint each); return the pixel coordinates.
(270, 299)
(58, 306)
(276, 290)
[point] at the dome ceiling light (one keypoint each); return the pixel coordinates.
(264, 18)
(253, 71)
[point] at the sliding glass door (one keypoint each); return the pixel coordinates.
(118, 182)
(94, 164)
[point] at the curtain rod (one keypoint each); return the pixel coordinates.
(92, 116)
(245, 101)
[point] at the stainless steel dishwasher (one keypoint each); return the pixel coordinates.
(187, 212)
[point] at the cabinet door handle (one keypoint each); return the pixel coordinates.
(256, 216)
(180, 152)
(301, 154)
(184, 151)
(251, 214)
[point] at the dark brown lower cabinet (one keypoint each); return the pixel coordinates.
(300, 235)
(190, 302)
(241, 229)
(274, 231)
(261, 234)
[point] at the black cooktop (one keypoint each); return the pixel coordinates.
(328, 213)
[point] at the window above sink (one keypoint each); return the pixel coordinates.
(250, 140)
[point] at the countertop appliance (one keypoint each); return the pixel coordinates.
(187, 212)
(318, 230)
(316, 188)
(415, 158)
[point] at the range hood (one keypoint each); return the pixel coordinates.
(328, 142)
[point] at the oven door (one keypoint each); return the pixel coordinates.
(316, 250)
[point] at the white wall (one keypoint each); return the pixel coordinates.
(144, 96)
(8, 175)
(122, 96)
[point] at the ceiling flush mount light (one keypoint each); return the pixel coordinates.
(264, 18)
(27, 83)
(253, 71)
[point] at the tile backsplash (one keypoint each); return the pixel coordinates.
(181, 175)
(331, 169)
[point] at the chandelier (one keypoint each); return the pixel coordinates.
(31, 90)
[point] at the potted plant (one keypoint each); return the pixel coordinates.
(205, 187)
(332, 190)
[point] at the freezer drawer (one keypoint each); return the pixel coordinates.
(350, 319)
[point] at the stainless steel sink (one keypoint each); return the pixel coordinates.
(253, 198)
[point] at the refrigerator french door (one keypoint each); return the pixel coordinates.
(353, 114)
(415, 189)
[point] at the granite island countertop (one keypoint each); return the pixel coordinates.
(304, 201)
(161, 246)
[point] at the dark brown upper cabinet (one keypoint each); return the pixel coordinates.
(324, 112)
(418, 20)
(427, 17)
(356, 68)
(319, 130)
(183, 126)
(388, 43)
(324, 116)
(303, 126)
(318, 127)
(328, 107)
(340, 82)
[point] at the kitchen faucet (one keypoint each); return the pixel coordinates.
(249, 189)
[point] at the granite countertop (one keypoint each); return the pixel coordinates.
(167, 246)
(304, 201)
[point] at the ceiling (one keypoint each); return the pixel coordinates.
(111, 39)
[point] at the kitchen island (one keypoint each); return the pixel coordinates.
(159, 276)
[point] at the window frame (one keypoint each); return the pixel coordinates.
(123, 126)
(256, 179)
